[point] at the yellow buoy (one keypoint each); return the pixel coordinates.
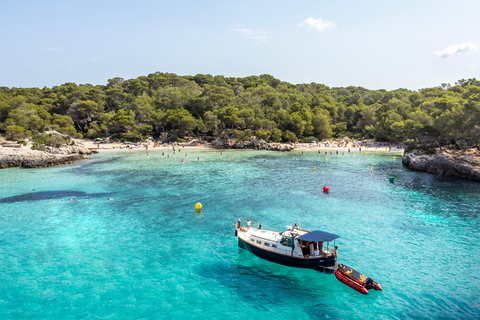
(372, 164)
(371, 170)
(354, 156)
(198, 206)
(393, 157)
(313, 168)
(326, 159)
(365, 153)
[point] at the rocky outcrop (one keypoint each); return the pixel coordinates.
(464, 164)
(254, 144)
(27, 158)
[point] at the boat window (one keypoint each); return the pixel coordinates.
(251, 239)
(267, 244)
(274, 245)
(259, 242)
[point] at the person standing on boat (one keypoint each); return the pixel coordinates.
(248, 223)
(260, 226)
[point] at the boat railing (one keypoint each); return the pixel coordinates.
(324, 254)
(261, 226)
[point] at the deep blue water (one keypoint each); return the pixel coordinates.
(148, 255)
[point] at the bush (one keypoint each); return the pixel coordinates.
(289, 136)
(15, 132)
(430, 150)
(180, 140)
(48, 139)
(308, 139)
(263, 134)
(22, 142)
(133, 135)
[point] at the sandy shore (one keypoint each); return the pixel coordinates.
(109, 147)
(115, 147)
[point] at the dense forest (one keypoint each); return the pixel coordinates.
(169, 107)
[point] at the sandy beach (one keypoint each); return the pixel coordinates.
(109, 147)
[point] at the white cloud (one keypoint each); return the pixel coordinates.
(257, 35)
(457, 49)
(316, 24)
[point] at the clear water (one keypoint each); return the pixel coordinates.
(148, 255)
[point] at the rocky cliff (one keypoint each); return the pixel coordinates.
(464, 164)
(27, 158)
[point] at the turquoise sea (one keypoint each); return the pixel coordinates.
(148, 255)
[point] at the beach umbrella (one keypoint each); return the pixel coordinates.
(313, 141)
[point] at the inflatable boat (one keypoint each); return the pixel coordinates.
(355, 279)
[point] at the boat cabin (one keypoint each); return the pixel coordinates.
(294, 246)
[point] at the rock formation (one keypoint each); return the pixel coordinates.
(464, 164)
(27, 158)
(254, 144)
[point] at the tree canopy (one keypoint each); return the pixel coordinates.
(170, 106)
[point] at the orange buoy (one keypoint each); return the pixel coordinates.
(325, 189)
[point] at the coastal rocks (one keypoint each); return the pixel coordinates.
(464, 164)
(28, 158)
(262, 145)
(254, 144)
(68, 150)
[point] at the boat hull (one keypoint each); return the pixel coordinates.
(322, 263)
(349, 282)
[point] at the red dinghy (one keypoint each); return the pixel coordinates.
(355, 279)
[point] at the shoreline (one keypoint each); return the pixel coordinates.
(24, 156)
(115, 147)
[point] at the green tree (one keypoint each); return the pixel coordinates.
(228, 116)
(276, 135)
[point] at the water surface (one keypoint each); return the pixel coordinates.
(148, 255)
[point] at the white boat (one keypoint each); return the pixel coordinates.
(293, 247)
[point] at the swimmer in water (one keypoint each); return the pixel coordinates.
(72, 199)
(111, 199)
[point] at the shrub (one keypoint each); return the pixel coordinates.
(15, 132)
(308, 139)
(289, 136)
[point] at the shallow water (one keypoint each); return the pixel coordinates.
(148, 255)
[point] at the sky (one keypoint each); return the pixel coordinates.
(372, 44)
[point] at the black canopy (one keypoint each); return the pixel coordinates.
(318, 236)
